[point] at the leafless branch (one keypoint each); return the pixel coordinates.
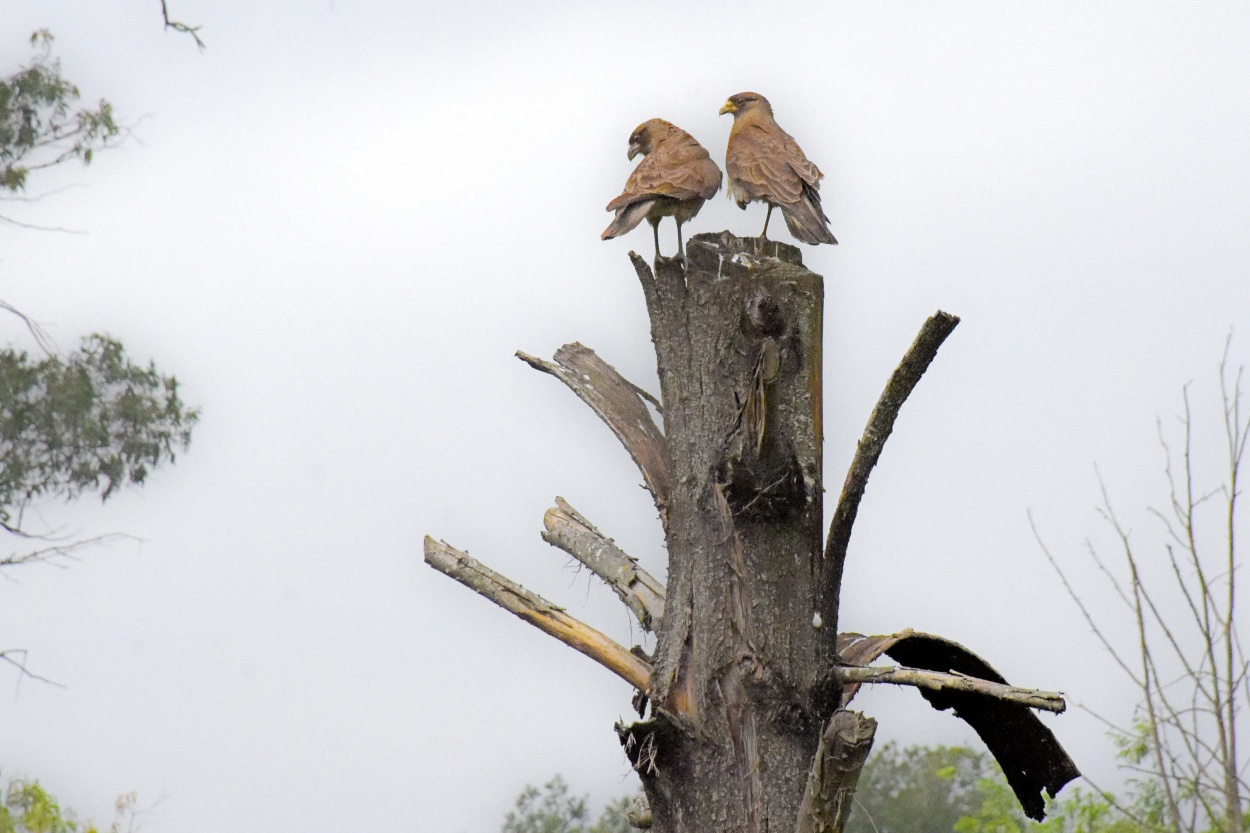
(36, 227)
(57, 552)
(880, 424)
(619, 405)
(41, 336)
(1191, 668)
(17, 658)
(539, 612)
(177, 26)
(641, 592)
(937, 680)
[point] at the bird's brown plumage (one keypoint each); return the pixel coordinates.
(765, 164)
(673, 180)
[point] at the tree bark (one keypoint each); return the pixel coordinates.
(741, 689)
(747, 733)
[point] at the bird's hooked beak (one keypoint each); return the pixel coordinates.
(635, 148)
(729, 107)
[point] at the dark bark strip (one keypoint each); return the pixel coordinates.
(1026, 749)
(734, 685)
(880, 424)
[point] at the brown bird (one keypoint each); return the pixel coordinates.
(674, 180)
(765, 163)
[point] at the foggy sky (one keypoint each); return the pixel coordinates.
(338, 223)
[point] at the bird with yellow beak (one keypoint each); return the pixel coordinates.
(765, 164)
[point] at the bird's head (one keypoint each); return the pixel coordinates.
(646, 136)
(746, 103)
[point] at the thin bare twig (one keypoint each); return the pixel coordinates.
(17, 658)
(1080, 603)
(177, 26)
(36, 227)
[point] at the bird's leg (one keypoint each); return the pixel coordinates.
(655, 230)
(767, 217)
(681, 247)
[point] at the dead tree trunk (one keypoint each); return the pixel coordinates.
(748, 732)
(738, 339)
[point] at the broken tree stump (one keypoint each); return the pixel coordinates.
(748, 730)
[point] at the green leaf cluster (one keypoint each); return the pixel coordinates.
(918, 789)
(1080, 812)
(553, 810)
(92, 421)
(39, 124)
(29, 808)
(943, 789)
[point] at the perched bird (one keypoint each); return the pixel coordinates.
(673, 180)
(765, 163)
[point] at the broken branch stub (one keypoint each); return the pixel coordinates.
(638, 589)
(834, 776)
(539, 612)
(620, 404)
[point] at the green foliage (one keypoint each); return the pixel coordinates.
(1079, 812)
(917, 790)
(614, 818)
(553, 810)
(39, 124)
(92, 421)
(29, 808)
(942, 789)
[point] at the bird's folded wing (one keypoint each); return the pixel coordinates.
(757, 159)
(805, 168)
(670, 175)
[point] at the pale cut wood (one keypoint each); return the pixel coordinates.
(539, 612)
(641, 592)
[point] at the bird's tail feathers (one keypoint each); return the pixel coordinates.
(806, 219)
(627, 216)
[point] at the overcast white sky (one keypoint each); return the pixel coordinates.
(338, 223)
